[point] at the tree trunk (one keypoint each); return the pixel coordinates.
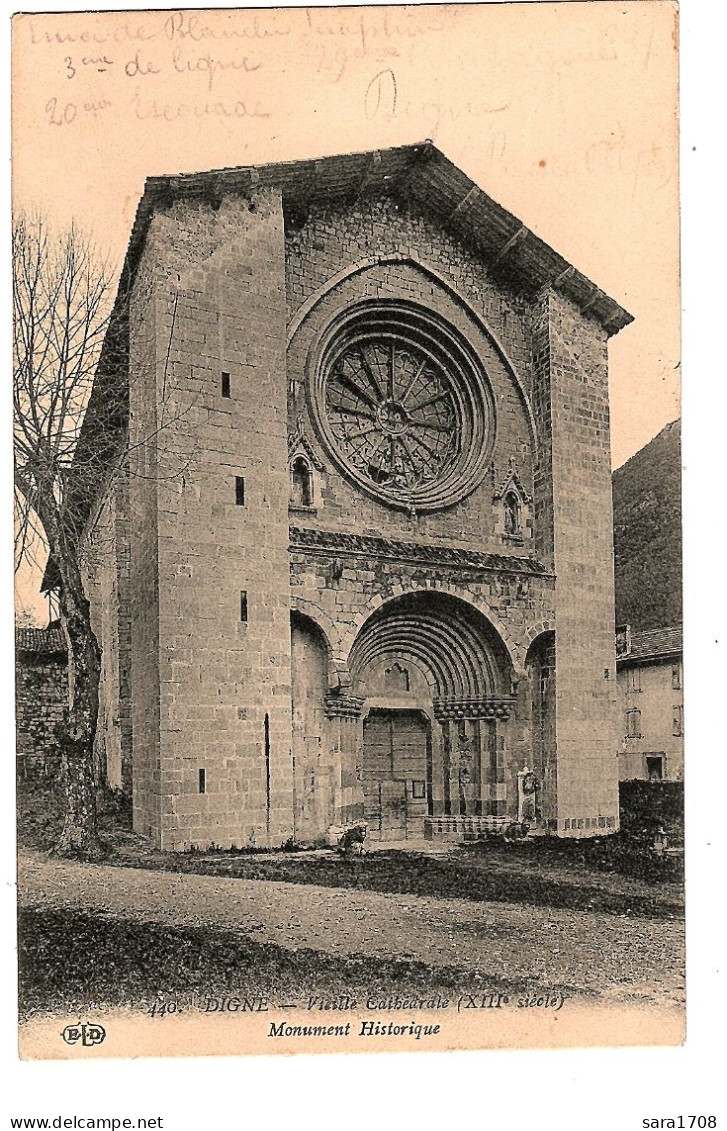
(79, 837)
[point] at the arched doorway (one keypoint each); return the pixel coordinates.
(315, 775)
(435, 679)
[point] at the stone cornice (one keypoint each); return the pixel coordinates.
(342, 706)
(416, 553)
(473, 708)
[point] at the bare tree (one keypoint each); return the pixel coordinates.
(61, 304)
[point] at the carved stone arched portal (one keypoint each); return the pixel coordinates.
(434, 680)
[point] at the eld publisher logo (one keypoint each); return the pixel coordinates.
(87, 1034)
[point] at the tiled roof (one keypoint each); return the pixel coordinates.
(41, 641)
(654, 643)
(420, 173)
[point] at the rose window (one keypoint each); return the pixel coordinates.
(393, 414)
(404, 407)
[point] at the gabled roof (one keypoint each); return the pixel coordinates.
(40, 641)
(416, 174)
(420, 174)
(655, 644)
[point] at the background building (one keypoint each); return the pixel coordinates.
(650, 685)
(41, 694)
(648, 557)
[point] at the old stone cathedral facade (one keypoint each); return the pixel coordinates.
(356, 560)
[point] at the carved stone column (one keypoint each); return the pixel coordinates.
(474, 754)
(344, 711)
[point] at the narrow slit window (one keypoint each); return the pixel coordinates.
(202, 782)
(226, 385)
(243, 605)
(240, 490)
(678, 722)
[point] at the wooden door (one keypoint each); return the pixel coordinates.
(395, 756)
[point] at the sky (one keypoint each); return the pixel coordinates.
(566, 114)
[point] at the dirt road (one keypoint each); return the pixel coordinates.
(616, 957)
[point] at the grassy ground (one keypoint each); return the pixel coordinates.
(616, 875)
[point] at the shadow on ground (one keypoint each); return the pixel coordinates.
(69, 961)
(611, 875)
(490, 875)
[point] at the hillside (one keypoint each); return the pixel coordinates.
(647, 534)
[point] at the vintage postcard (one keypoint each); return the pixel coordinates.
(348, 529)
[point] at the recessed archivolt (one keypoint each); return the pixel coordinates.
(448, 637)
(428, 270)
(539, 636)
(512, 646)
(535, 630)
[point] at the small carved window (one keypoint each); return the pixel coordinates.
(512, 514)
(396, 678)
(301, 480)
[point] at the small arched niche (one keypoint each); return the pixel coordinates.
(512, 514)
(513, 508)
(302, 483)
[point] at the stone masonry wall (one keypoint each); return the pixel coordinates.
(143, 544)
(400, 254)
(105, 565)
(224, 743)
(575, 507)
(41, 694)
